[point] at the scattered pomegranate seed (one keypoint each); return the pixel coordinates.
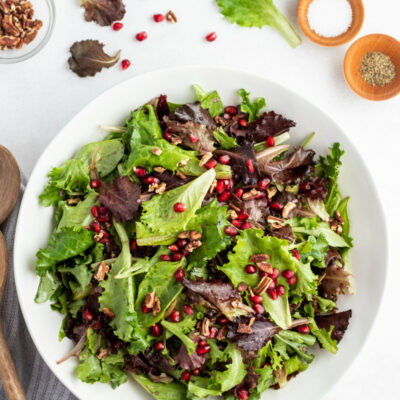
(182, 242)
(193, 138)
(274, 274)
(220, 186)
(179, 274)
(296, 254)
(280, 290)
(87, 315)
(239, 193)
(117, 26)
(140, 172)
(156, 330)
(175, 316)
(210, 164)
(287, 273)
(148, 180)
(242, 215)
(196, 371)
(272, 285)
(275, 205)
(227, 183)
(213, 332)
(125, 64)
(133, 245)
(231, 231)
(141, 36)
(179, 207)
(185, 376)
(231, 110)
(165, 257)
(202, 343)
(242, 123)
(237, 223)
(201, 350)
(167, 136)
(292, 280)
(158, 17)
(258, 308)
(263, 183)
(95, 211)
(256, 299)
(250, 269)
(303, 329)
(225, 159)
(250, 165)
(242, 394)
(223, 320)
(145, 309)
(211, 37)
(174, 247)
(177, 256)
(224, 196)
(270, 142)
(95, 183)
(159, 346)
(247, 225)
(272, 294)
(95, 225)
(188, 310)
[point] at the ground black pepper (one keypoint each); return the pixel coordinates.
(377, 69)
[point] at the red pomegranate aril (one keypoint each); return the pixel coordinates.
(258, 308)
(175, 316)
(117, 26)
(158, 17)
(196, 371)
(95, 211)
(292, 280)
(125, 64)
(148, 180)
(296, 254)
(145, 309)
(287, 273)
(275, 205)
(250, 166)
(141, 36)
(305, 186)
(270, 142)
(159, 346)
(242, 215)
(188, 310)
(104, 240)
(179, 274)
(231, 231)
(133, 245)
(167, 136)
(272, 294)
(201, 350)
(247, 225)
(242, 123)
(223, 320)
(220, 186)
(231, 110)
(303, 329)
(202, 343)
(177, 256)
(95, 183)
(239, 193)
(256, 299)
(193, 138)
(87, 315)
(237, 223)
(95, 225)
(140, 172)
(225, 159)
(165, 257)
(272, 285)
(185, 376)
(263, 183)
(182, 242)
(227, 116)
(210, 164)
(97, 325)
(274, 274)
(102, 210)
(227, 183)
(211, 37)
(250, 269)
(224, 196)
(179, 207)
(174, 247)
(213, 332)
(242, 394)
(156, 330)
(280, 290)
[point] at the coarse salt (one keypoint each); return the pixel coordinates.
(330, 18)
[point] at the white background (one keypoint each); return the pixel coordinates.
(39, 96)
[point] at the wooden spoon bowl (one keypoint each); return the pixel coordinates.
(352, 61)
(356, 24)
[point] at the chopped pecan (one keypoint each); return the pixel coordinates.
(108, 312)
(176, 140)
(194, 235)
(275, 222)
(213, 185)
(101, 271)
(184, 235)
(265, 267)
(9, 27)
(184, 162)
(30, 36)
(161, 188)
(241, 306)
(253, 194)
(160, 170)
(255, 258)
(150, 299)
(232, 214)
(289, 207)
(207, 157)
(156, 306)
(205, 327)
(171, 17)
(262, 285)
(222, 332)
(8, 41)
(102, 353)
(339, 217)
(191, 246)
(334, 225)
(74, 201)
(157, 151)
(271, 191)
(181, 175)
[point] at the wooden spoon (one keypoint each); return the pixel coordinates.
(10, 185)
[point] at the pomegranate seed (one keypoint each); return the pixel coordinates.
(179, 274)
(148, 180)
(213, 332)
(287, 273)
(220, 187)
(225, 159)
(117, 26)
(247, 225)
(272, 294)
(231, 231)
(270, 142)
(224, 196)
(242, 394)
(95, 211)
(125, 64)
(156, 330)
(227, 116)
(179, 207)
(165, 257)
(231, 110)
(243, 215)
(133, 245)
(296, 254)
(201, 350)
(258, 308)
(272, 285)
(303, 329)
(185, 376)
(250, 166)
(227, 183)
(175, 316)
(182, 242)
(159, 346)
(239, 193)
(274, 274)
(102, 210)
(167, 136)
(263, 183)
(210, 164)
(305, 186)
(202, 343)
(196, 371)
(250, 269)
(237, 223)
(145, 309)
(158, 17)
(280, 290)
(95, 225)
(242, 123)
(104, 240)
(188, 310)
(87, 315)
(95, 183)
(223, 320)
(174, 247)
(193, 138)
(256, 299)
(97, 325)
(275, 205)
(140, 172)
(141, 36)
(292, 280)
(211, 37)
(177, 256)
(262, 274)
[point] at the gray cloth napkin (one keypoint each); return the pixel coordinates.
(37, 380)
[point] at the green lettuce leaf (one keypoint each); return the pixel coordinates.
(181, 330)
(288, 343)
(329, 166)
(162, 391)
(209, 101)
(314, 250)
(80, 287)
(252, 108)
(48, 285)
(226, 142)
(324, 337)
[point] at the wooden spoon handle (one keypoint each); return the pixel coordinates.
(8, 373)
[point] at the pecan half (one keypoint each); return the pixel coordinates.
(243, 328)
(263, 285)
(101, 271)
(255, 258)
(207, 157)
(150, 299)
(265, 267)
(205, 327)
(171, 17)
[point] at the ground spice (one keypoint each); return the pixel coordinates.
(377, 69)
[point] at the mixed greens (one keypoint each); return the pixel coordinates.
(196, 251)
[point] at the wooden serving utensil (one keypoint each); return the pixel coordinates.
(10, 186)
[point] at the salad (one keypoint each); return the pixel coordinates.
(196, 251)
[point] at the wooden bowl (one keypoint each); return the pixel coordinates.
(352, 61)
(356, 24)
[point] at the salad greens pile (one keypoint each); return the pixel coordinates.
(196, 251)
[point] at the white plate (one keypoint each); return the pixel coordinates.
(369, 255)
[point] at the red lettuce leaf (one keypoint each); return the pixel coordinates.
(188, 362)
(194, 112)
(340, 322)
(103, 12)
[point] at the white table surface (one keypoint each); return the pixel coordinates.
(38, 97)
